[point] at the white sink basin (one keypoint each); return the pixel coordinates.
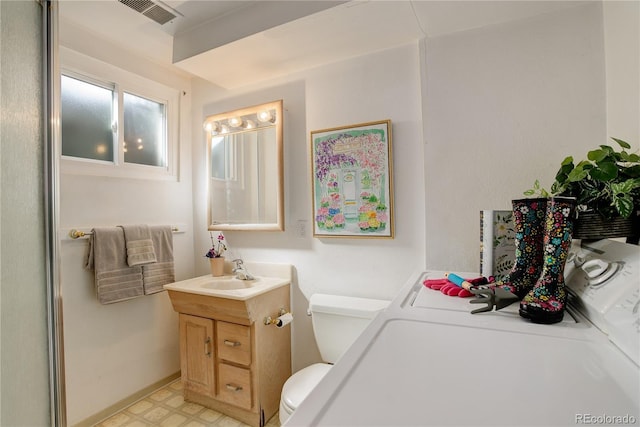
(228, 286)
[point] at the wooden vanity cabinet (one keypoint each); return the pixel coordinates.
(230, 360)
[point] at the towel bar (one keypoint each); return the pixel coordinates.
(77, 234)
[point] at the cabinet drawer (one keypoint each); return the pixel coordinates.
(234, 385)
(233, 342)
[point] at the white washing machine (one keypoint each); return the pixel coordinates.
(427, 361)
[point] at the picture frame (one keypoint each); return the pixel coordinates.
(352, 181)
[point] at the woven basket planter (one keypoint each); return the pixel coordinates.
(592, 226)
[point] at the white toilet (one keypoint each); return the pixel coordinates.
(337, 322)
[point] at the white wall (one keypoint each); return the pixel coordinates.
(385, 85)
(622, 59)
(24, 386)
(113, 351)
(504, 106)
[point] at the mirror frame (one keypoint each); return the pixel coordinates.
(279, 224)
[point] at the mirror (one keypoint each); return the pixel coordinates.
(245, 168)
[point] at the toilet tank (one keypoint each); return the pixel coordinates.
(339, 320)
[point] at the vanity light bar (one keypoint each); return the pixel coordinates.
(263, 118)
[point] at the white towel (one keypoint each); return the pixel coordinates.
(139, 245)
(114, 279)
(158, 274)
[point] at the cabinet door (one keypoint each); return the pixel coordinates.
(196, 354)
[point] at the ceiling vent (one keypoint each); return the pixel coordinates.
(151, 10)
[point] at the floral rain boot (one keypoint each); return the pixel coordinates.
(546, 301)
(528, 218)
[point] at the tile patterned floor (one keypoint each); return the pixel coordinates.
(166, 408)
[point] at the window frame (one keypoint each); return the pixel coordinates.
(96, 72)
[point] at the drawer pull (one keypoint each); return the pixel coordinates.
(231, 343)
(234, 388)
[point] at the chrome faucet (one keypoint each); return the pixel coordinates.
(241, 271)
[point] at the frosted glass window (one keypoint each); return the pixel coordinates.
(111, 129)
(144, 131)
(87, 118)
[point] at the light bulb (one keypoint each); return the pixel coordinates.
(211, 127)
(235, 122)
(265, 116)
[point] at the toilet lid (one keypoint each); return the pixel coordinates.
(298, 387)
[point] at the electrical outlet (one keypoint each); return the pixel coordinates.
(301, 228)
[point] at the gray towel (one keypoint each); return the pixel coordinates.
(114, 279)
(139, 245)
(158, 274)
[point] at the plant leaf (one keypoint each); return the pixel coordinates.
(624, 205)
(567, 161)
(558, 188)
(536, 190)
(577, 174)
(627, 157)
(599, 155)
(625, 187)
(632, 172)
(604, 171)
(622, 143)
(565, 169)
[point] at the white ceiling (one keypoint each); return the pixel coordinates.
(234, 43)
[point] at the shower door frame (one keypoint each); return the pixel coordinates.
(51, 133)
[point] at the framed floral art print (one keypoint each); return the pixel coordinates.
(352, 181)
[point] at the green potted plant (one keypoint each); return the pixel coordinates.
(607, 188)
